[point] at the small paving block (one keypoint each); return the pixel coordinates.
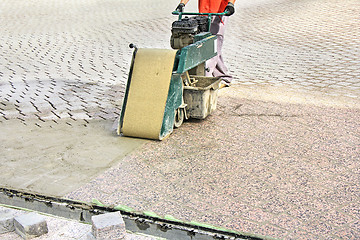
(30, 225)
(108, 226)
(90, 236)
(7, 220)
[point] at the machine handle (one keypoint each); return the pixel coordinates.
(191, 13)
(131, 45)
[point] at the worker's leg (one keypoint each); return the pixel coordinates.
(216, 65)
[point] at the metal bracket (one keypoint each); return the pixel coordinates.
(135, 222)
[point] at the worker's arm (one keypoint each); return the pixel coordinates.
(230, 9)
(180, 7)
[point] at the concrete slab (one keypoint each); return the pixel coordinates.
(58, 159)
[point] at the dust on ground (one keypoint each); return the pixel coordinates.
(286, 95)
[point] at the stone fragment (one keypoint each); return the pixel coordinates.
(7, 220)
(108, 226)
(30, 225)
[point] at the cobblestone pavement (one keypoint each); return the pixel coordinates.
(308, 45)
(67, 61)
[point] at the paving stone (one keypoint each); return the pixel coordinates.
(108, 226)
(90, 236)
(30, 225)
(7, 220)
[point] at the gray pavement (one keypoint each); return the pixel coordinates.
(279, 158)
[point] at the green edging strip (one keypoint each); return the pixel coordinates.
(97, 202)
(214, 227)
(147, 222)
(130, 210)
(15, 207)
(151, 214)
(201, 224)
(171, 218)
(124, 208)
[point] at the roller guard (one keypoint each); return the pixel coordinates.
(152, 95)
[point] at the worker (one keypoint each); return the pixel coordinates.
(215, 66)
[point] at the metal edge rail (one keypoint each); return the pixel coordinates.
(134, 221)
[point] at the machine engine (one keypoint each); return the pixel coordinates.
(184, 30)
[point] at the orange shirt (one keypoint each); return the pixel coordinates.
(212, 6)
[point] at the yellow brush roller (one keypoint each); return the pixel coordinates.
(147, 93)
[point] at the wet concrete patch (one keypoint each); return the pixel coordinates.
(54, 160)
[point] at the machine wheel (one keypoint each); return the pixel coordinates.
(179, 117)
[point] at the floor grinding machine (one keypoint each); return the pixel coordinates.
(166, 86)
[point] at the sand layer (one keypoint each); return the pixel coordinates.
(57, 159)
